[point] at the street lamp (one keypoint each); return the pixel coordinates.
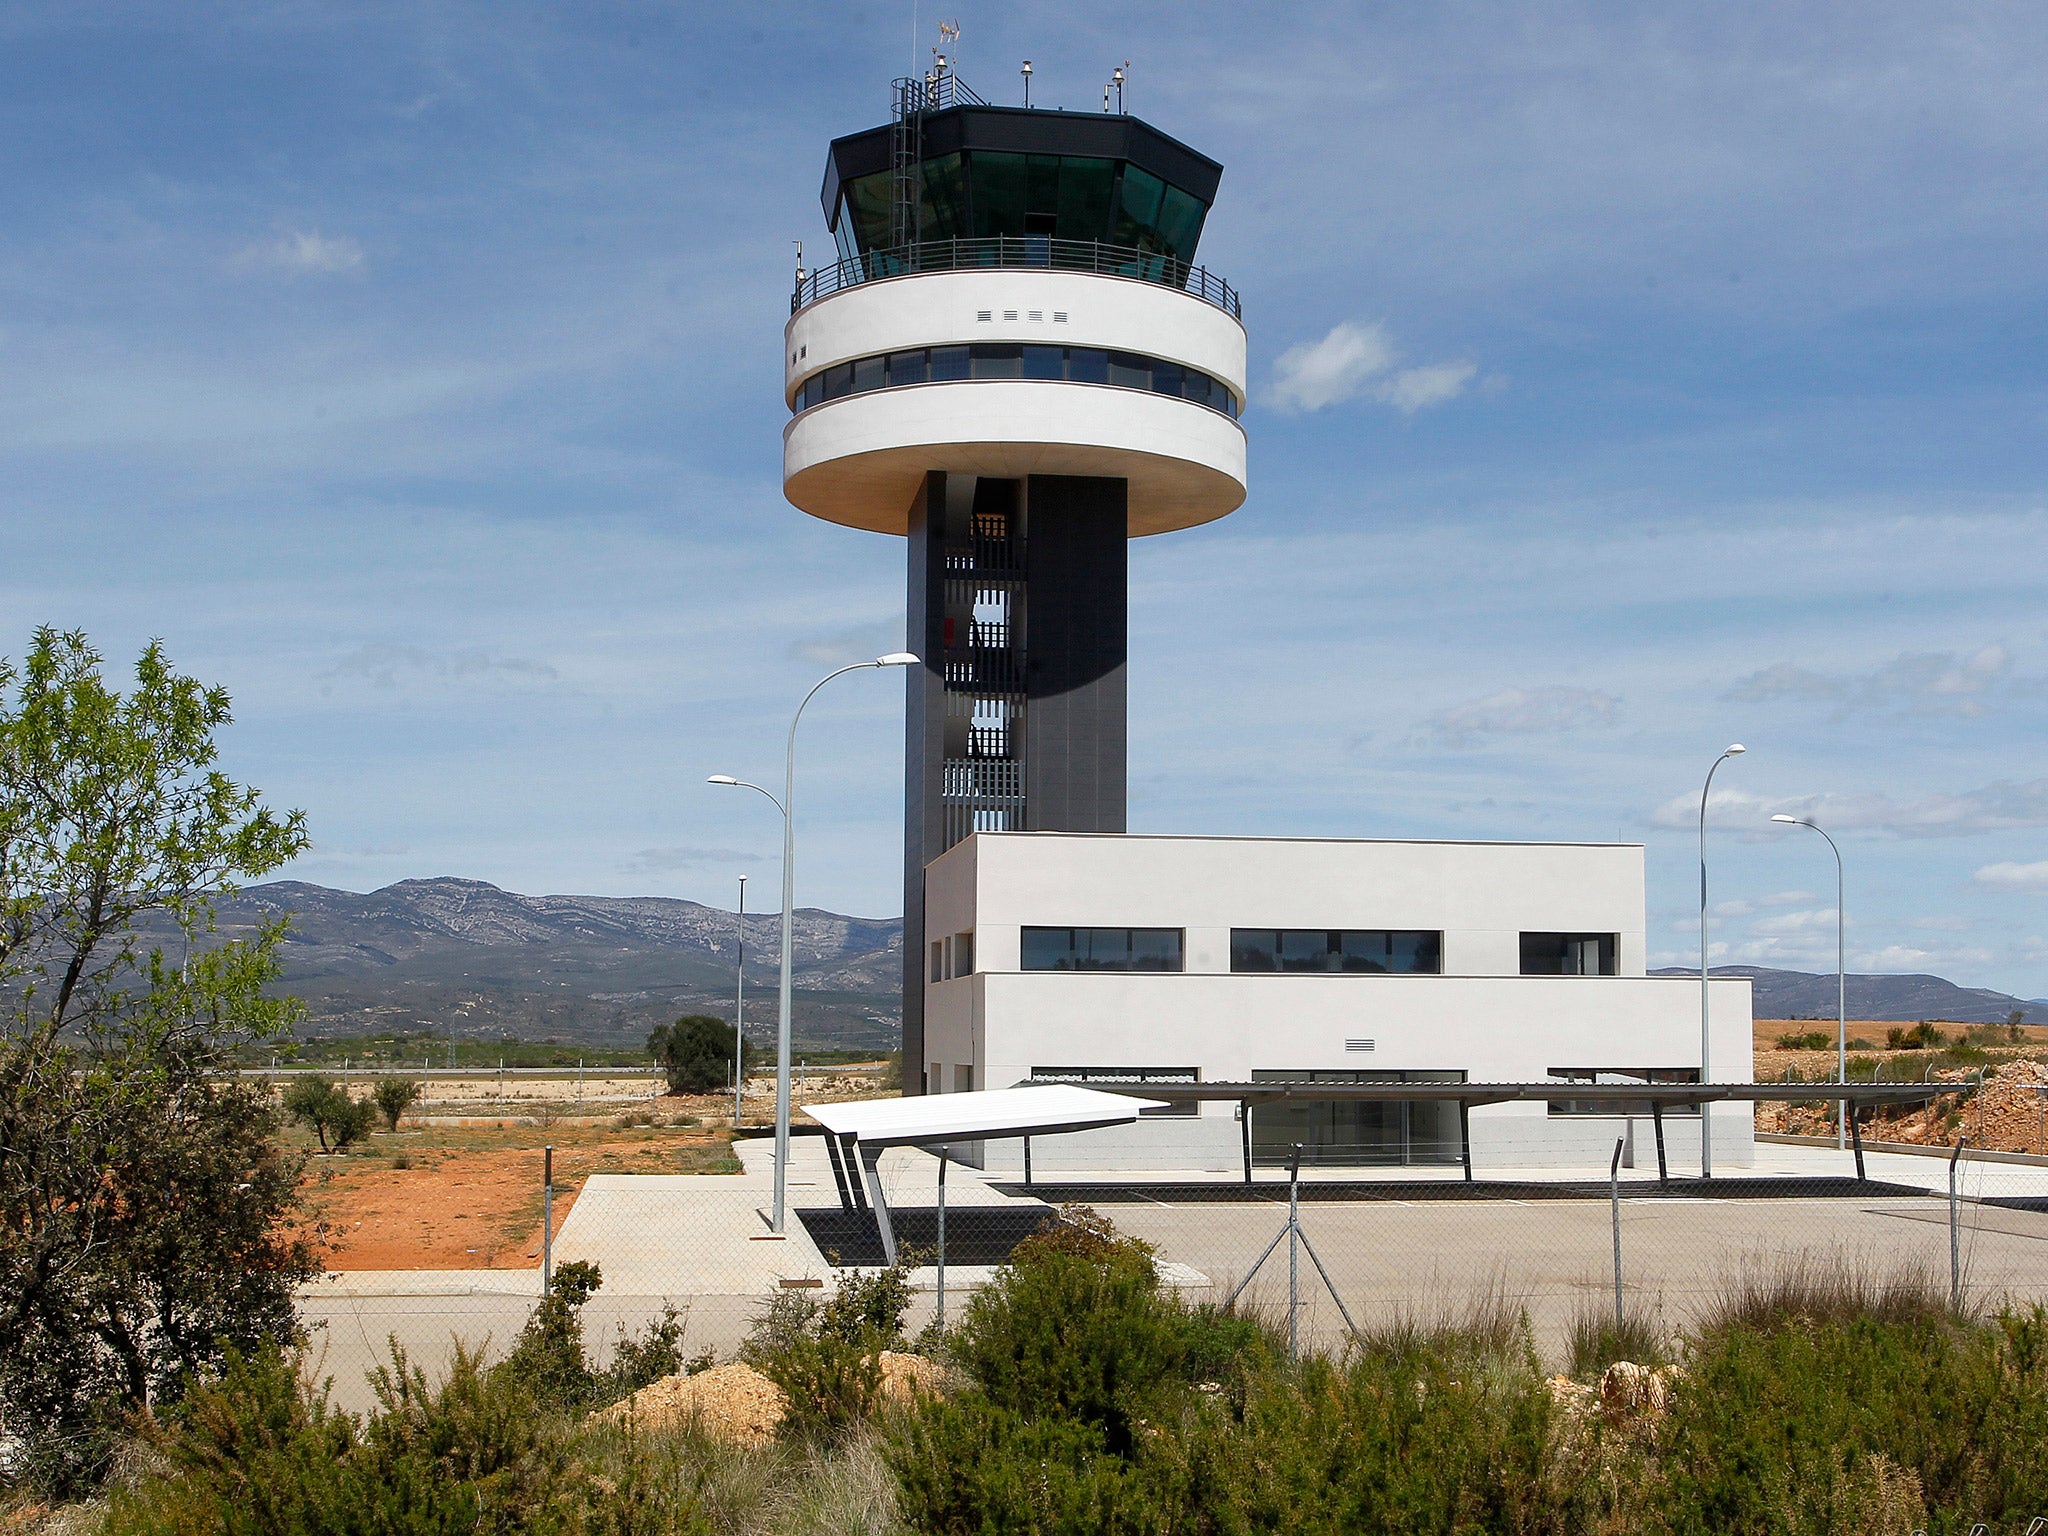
(1841, 979)
(787, 805)
(1735, 749)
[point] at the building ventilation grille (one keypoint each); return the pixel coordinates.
(984, 315)
(1009, 314)
(1359, 1045)
(1059, 317)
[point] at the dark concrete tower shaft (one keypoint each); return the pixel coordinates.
(1017, 600)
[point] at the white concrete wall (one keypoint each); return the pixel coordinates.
(1481, 896)
(936, 309)
(860, 459)
(1481, 1017)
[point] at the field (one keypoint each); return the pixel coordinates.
(458, 1185)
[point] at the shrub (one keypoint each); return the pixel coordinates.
(694, 1053)
(825, 1356)
(969, 1465)
(1811, 1040)
(1921, 1037)
(1598, 1339)
(547, 1361)
(1075, 1327)
(1814, 1426)
(336, 1118)
(394, 1096)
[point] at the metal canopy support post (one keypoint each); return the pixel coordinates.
(1657, 1116)
(1244, 1120)
(1027, 1162)
(838, 1172)
(1465, 1137)
(846, 1146)
(869, 1158)
(1856, 1139)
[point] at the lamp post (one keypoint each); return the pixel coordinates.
(787, 805)
(1841, 977)
(739, 1008)
(1735, 749)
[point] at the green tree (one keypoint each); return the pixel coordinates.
(395, 1095)
(145, 1200)
(2014, 1022)
(694, 1053)
(337, 1119)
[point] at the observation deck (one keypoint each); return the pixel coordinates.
(1026, 252)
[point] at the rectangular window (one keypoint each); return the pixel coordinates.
(1378, 950)
(1180, 222)
(997, 359)
(963, 953)
(963, 1079)
(1137, 214)
(1167, 378)
(1045, 363)
(867, 374)
(1130, 371)
(938, 960)
(948, 364)
(996, 183)
(838, 381)
(908, 367)
(1639, 1108)
(1569, 954)
(1084, 197)
(1087, 365)
(814, 390)
(1128, 1077)
(1101, 949)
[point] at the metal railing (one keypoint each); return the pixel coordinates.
(1018, 251)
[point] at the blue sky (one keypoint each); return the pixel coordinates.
(1625, 381)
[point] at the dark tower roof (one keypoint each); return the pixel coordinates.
(1007, 171)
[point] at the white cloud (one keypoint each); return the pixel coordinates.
(1414, 389)
(301, 253)
(2014, 877)
(1311, 375)
(384, 665)
(1932, 682)
(1359, 359)
(1994, 808)
(1521, 711)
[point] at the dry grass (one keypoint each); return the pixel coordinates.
(1833, 1289)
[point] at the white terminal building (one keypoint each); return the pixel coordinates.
(1017, 366)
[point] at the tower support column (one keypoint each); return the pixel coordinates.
(1017, 600)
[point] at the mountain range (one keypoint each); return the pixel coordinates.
(465, 958)
(1883, 999)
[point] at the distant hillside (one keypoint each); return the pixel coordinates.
(467, 958)
(1896, 999)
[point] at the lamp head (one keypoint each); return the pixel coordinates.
(896, 659)
(1792, 821)
(722, 778)
(1735, 749)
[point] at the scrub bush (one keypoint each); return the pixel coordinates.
(1799, 1424)
(826, 1355)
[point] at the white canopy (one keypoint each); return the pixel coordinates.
(933, 1118)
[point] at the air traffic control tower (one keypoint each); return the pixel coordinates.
(1017, 366)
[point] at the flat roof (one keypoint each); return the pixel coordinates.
(994, 1113)
(1261, 837)
(1268, 1091)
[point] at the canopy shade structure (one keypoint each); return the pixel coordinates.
(932, 1120)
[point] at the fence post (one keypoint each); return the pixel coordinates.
(547, 1220)
(1955, 1236)
(1614, 1198)
(1294, 1255)
(944, 1153)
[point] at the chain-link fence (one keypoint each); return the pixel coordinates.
(678, 1214)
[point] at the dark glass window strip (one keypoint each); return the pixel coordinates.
(1101, 949)
(1361, 950)
(1638, 1109)
(1014, 360)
